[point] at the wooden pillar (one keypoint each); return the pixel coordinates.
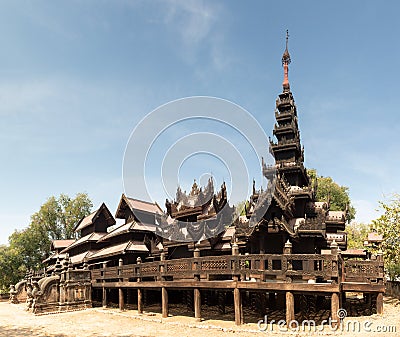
(196, 293)
(289, 308)
(334, 309)
(237, 300)
(336, 278)
(287, 250)
(121, 302)
(164, 302)
(235, 249)
(104, 300)
(379, 304)
(139, 291)
(139, 301)
(197, 304)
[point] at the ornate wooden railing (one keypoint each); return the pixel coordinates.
(284, 267)
(370, 271)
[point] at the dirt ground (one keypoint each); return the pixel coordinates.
(15, 321)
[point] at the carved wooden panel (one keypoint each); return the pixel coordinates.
(214, 265)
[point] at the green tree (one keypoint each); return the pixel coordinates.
(11, 266)
(27, 248)
(240, 208)
(72, 211)
(338, 195)
(357, 233)
(58, 217)
(388, 225)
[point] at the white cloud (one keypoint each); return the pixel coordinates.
(193, 20)
(198, 26)
(26, 96)
(59, 114)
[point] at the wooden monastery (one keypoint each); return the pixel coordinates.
(295, 249)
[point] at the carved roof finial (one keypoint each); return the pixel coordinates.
(287, 37)
(285, 63)
(286, 55)
(195, 188)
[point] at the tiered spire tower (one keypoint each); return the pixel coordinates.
(288, 153)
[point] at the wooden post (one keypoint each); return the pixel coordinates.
(104, 299)
(162, 266)
(139, 291)
(197, 304)
(164, 302)
(162, 255)
(197, 293)
(237, 300)
(287, 250)
(104, 302)
(196, 252)
(121, 302)
(139, 301)
(334, 309)
(289, 309)
(379, 304)
(235, 249)
(235, 252)
(336, 268)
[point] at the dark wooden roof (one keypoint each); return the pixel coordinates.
(136, 204)
(91, 218)
(120, 248)
(60, 244)
(92, 237)
(131, 226)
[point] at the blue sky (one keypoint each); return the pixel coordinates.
(77, 76)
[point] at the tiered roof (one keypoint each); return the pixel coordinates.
(92, 228)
